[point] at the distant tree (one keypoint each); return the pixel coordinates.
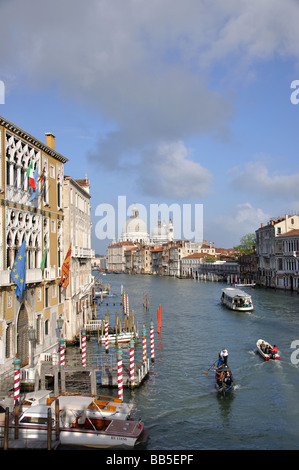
(247, 244)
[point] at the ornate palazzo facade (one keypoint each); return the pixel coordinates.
(36, 217)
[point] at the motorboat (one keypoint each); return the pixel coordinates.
(96, 406)
(224, 380)
(264, 348)
(122, 337)
(76, 427)
(236, 299)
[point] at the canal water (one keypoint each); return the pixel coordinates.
(178, 402)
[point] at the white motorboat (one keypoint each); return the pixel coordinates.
(264, 348)
(77, 428)
(236, 299)
(123, 337)
(96, 406)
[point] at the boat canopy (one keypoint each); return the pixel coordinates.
(73, 402)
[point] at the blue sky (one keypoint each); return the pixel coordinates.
(163, 102)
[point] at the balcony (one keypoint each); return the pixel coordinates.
(32, 275)
(79, 252)
(50, 273)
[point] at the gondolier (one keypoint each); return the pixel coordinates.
(224, 355)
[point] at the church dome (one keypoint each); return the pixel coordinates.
(135, 229)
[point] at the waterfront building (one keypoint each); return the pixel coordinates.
(31, 212)
(77, 233)
(266, 237)
(248, 267)
(287, 260)
(156, 259)
(116, 256)
(190, 265)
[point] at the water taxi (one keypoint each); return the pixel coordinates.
(76, 427)
(236, 299)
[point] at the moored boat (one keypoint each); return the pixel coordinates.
(224, 380)
(77, 428)
(236, 299)
(96, 406)
(122, 337)
(264, 348)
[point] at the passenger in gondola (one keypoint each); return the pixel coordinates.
(219, 376)
(228, 379)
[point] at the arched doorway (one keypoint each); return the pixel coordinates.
(22, 337)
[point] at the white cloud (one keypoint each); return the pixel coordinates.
(256, 180)
(241, 220)
(147, 70)
(170, 172)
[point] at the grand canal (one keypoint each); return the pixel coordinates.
(178, 402)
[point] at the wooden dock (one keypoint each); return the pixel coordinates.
(105, 375)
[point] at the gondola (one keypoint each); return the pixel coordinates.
(224, 380)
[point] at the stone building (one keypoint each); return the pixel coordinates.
(266, 237)
(287, 261)
(34, 215)
(77, 233)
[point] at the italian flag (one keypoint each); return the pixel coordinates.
(30, 174)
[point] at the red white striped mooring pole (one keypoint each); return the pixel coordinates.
(119, 373)
(152, 341)
(83, 331)
(132, 365)
(106, 336)
(143, 345)
(17, 366)
(62, 344)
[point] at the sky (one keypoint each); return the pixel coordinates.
(188, 103)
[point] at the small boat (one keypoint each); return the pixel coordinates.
(264, 349)
(224, 380)
(236, 299)
(249, 284)
(77, 428)
(95, 405)
(123, 337)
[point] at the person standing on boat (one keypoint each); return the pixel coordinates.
(224, 355)
(274, 351)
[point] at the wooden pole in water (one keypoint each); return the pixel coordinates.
(119, 373)
(132, 365)
(152, 341)
(57, 419)
(16, 420)
(49, 429)
(6, 428)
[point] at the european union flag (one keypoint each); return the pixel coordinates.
(18, 271)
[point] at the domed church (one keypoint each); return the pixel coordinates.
(135, 229)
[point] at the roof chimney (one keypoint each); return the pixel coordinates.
(50, 140)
